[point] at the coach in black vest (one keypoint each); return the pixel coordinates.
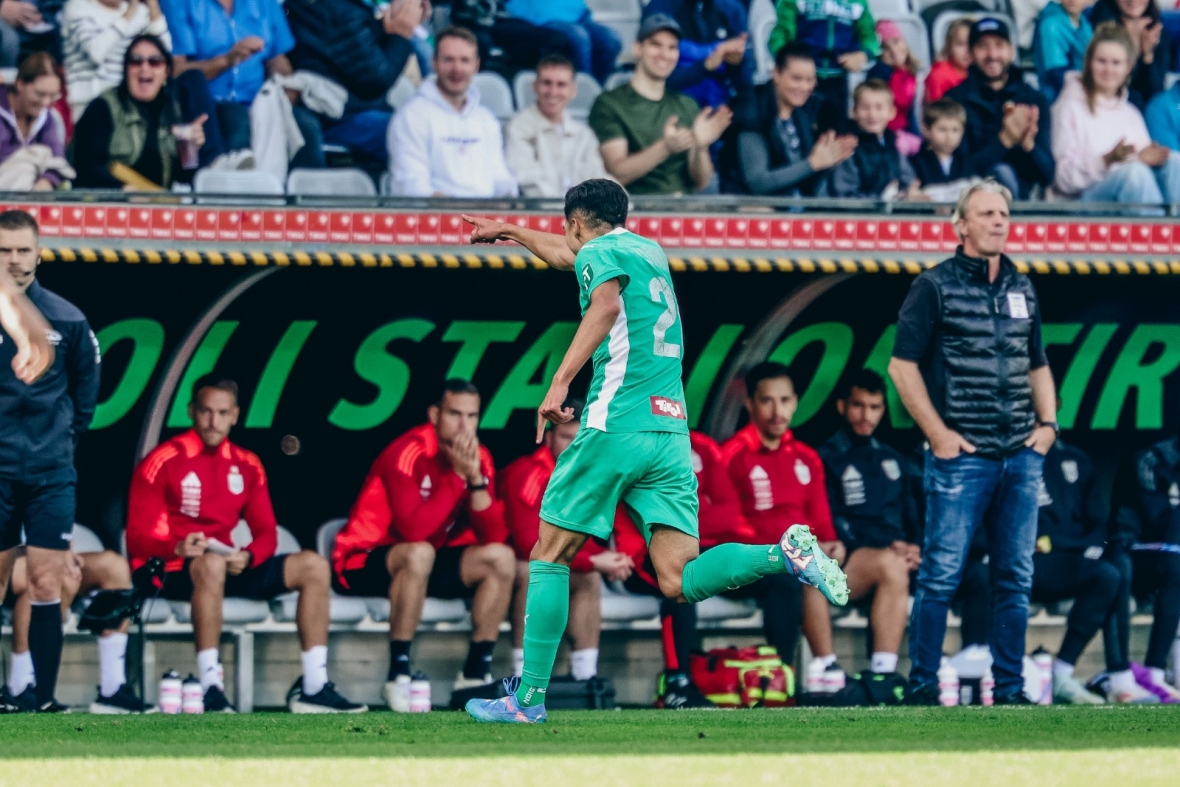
(970, 366)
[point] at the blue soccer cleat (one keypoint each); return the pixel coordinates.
(811, 566)
(506, 710)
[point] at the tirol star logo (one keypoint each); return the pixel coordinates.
(669, 408)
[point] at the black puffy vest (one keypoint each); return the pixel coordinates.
(979, 380)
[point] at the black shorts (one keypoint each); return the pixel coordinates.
(373, 578)
(44, 511)
(260, 583)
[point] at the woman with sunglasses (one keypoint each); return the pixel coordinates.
(135, 126)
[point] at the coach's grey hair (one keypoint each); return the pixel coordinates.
(991, 186)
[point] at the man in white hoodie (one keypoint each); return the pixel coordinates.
(443, 142)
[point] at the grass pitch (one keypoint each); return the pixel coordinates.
(902, 746)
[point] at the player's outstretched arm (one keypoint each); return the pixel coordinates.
(605, 304)
(549, 246)
(28, 330)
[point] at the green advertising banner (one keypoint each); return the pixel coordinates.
(335, 363)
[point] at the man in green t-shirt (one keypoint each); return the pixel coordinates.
(633, 446)
(654, 140)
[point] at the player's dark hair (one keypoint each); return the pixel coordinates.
(767, 370)
(599, 201)
(216, 382)
(19, 220)
(866, 380)
(556, 61)
(456, 385)
(792, 51)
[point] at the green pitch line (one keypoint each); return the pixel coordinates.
(1059, 730)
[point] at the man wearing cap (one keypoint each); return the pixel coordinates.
(653, 140)
(1007, 134)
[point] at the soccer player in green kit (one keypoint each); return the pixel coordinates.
(633, 446)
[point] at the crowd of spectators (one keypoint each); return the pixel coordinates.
(849, 110)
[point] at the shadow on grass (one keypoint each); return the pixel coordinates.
(448, 734)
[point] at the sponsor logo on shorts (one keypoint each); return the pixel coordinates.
(669, 408)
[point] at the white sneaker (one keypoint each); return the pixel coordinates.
(237, 159)
(1069, 691)
(397, 694)
(462, 682)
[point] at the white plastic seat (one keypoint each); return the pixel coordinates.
(618, 606)
(621, 16)
(234, 611)
(341, 609)
(85, 540)
(495, 94)
(888, 8)
(762, 22)
(617, 79)
(343, 182)
(236, 181)
(401, 92)
(721, 608)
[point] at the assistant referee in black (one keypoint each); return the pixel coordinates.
(40, 424)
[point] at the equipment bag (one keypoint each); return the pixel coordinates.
(753, 677)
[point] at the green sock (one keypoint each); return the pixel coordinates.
(728, 567)
(546, 613)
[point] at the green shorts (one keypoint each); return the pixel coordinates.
(651, 472)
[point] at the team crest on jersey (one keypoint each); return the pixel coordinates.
(237, 484)
(802, 472)
(1069, 469)
(669, 408)
(891, 469)
(697, 464)
(53, 336)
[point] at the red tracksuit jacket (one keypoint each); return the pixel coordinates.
(184, 487)
(522, 485)
(778, 488)
(412, 494)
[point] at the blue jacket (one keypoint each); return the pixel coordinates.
(43, 421)
(704, 24)
(1163, 118)
(1058, 47)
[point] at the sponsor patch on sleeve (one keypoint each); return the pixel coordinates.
(669, 408)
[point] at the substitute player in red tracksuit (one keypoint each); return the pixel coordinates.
(426, 524)
(721, 522)
(780, 482)
(522, 485)
(187, 496)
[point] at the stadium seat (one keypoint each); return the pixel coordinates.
(762, 22)
(617, 79)
(85, 540)
(720, 608)
(434, 611)
(235, 611)
(495, 94)
(343, 182)
(887, 9)
(619, 606)
(385, 185)
(914, 30)
(622, 16)
(341, 609)
(236, 181)
(401, 92)
(578, 109)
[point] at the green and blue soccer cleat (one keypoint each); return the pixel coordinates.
(506, 710)
(811, 566)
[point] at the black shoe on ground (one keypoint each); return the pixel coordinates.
(217, 702)
(1018, 698)
(922, 695)
(680, 693)
(326, 700)
(123, 701)
(53, 706)
(25, 702)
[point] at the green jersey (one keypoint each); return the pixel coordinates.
(636, 385)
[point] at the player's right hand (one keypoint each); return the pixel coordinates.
(485, 230)
(551, 409)
(194, 545)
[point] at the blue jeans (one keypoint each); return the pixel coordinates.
(364, 133)
(596, 47)
(1135, 183)
(959, 492)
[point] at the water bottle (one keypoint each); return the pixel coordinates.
(192, 696)
(948, 684)
(1044, 662)
(987, 688)
(419, 693)
(171, 691)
